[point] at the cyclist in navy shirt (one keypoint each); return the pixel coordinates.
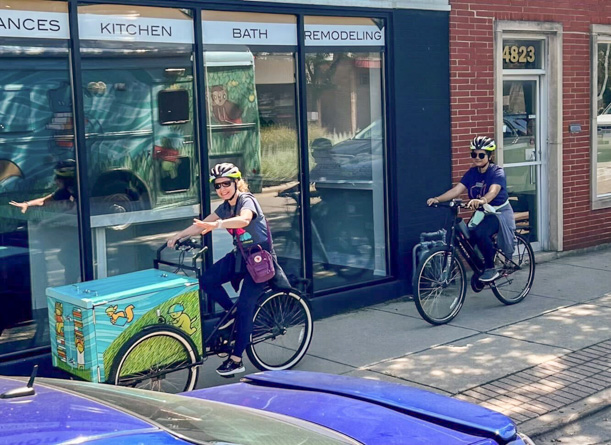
(485, 183)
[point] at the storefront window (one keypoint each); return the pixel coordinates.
(137, 72)
(39, 244)
(250, 77)
(602, 142)
(347, 144)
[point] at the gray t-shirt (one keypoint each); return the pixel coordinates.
(253, 233)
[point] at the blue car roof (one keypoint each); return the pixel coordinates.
(367, 423)
(435, 408)
(56, 416)
(367, 410)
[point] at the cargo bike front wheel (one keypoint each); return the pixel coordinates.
(160, 358)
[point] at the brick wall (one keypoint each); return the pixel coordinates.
(472, 101)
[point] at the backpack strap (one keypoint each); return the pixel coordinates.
(259, 212)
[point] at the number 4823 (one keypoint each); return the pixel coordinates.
(519, 54)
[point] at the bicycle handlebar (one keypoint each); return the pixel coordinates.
(186, 245)
(294, 192)
(454, 203)
(459, 204)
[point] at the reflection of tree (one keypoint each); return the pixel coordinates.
(320, 72)
(603, 74)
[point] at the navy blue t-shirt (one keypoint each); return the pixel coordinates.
(478, 184)
(256, 231)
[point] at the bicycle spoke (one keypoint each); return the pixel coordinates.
(279, 332)
(440, 288)
(161, 360)
(517, 273)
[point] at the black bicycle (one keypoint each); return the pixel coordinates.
(165, 358)
(440, 280)
(346, 249)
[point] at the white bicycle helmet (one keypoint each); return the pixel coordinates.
(225, 170)
(483, 143)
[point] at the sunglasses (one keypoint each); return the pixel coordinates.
(224, 184)
(478, 155)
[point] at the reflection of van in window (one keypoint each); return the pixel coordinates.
(139, 128)
(233, 113)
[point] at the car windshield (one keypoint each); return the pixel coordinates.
(372, 131)
(204, 421)
(607, 110)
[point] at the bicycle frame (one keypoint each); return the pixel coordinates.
(207, 340)
(456, 240)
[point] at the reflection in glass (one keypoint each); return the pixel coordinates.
(275, 82)
(252, 121)
(520, 146)
(346, 131)
(38, 234)
(603, 120)
(252, 124)
(139, 124)
(522, 184)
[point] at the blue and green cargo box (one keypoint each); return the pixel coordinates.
(90, 322)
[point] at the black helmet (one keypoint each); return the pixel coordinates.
(225, 170)
(483, 143)
(65, 169)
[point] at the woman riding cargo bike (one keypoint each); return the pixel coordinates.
(153, 328)
(241, 215)
(505, 260)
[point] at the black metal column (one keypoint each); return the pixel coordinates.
(304, 170)
(82, 162)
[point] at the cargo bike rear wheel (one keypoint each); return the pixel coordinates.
(160, 358)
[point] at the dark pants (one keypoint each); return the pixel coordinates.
(482, 236)
(224, 271)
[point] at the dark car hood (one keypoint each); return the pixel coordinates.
(354, 147)
(55, 416)
(371, 412)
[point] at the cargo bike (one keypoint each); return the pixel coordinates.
(152, 329)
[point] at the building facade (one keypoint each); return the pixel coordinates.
(111, 114)
(535, 75)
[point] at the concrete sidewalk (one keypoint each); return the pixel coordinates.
(543, 361)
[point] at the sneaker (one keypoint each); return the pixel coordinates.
(229, 368)
(489, 275)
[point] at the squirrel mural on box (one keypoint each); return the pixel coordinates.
(180, 319)
(120, 318)
(59, 319)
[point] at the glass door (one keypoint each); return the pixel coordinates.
(524, 155)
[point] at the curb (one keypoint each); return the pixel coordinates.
(552, 255)
(567, 414)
